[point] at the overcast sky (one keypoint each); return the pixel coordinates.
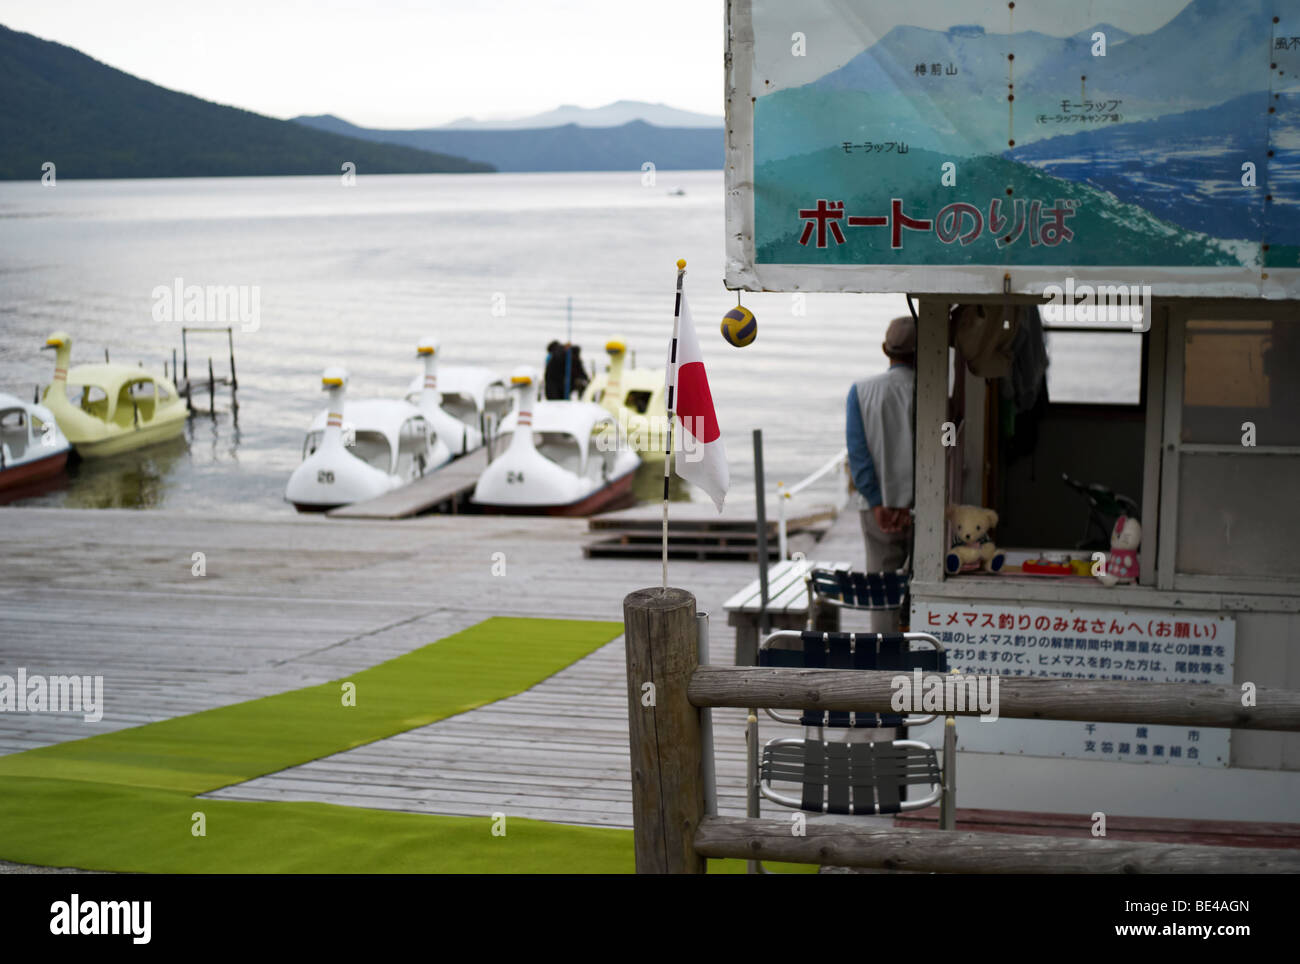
(412, 63)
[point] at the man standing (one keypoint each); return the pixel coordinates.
(879, 437)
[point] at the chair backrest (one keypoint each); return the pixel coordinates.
(861, 590)
(879, 651)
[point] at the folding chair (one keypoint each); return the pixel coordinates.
(846, 778)
(867, 591)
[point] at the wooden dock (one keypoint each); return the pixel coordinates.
(696, 530)
(291, 601)
(447, 485)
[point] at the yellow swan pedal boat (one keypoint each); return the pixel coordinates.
(107, 409)
(635, 396)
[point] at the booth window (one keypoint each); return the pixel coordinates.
(1233, 449)
(1093, 367)
(1087, 432)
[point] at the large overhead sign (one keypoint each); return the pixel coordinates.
(944, 145)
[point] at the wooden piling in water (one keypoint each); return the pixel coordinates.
(234, 381)
(664, 730)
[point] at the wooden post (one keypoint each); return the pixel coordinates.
(948, 806)
(931, 465)
(752, 791)
(234, 381)
(212, 401)
(664, 730)
(760, 507)
(708, 771)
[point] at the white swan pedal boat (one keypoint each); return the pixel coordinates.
(558, 457)
(461, 402)
(32, 447)
(359, 449)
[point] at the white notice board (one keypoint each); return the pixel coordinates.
(1084, 643)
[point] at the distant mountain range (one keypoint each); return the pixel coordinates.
(1207, 54)
(93, 121)
(1149, 147)
(611, 115)
(565, 148)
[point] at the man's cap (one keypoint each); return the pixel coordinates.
(900, 337)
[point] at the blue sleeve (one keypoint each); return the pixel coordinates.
(860, 464)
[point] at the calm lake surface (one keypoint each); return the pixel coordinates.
(356, 275)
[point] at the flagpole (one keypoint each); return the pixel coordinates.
(671, 407)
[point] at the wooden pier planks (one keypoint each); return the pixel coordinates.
(447, 484)
(291, 601)
(737, 514)
(696, 530)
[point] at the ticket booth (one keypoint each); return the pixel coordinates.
(1202, 433)
(981, 154)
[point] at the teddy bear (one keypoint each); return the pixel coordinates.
(1122, 561)
(972, 547)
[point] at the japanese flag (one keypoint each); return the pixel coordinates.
(698, 453)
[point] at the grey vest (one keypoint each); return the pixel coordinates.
(885, 401)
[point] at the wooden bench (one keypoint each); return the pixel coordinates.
(787, 606)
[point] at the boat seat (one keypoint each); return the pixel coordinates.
(13, 435)
(460, 407)
(373, 449)
(638, 401)
(94, 401)
(135, 402)
(559, 448)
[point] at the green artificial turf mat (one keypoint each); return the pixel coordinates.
(112, 827)
(99, 826)
(490, 661)
(125, 801)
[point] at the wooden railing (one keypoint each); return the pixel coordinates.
(668, 690)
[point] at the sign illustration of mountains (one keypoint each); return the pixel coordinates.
(1177, 148)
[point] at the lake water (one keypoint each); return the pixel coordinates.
(355, 275)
